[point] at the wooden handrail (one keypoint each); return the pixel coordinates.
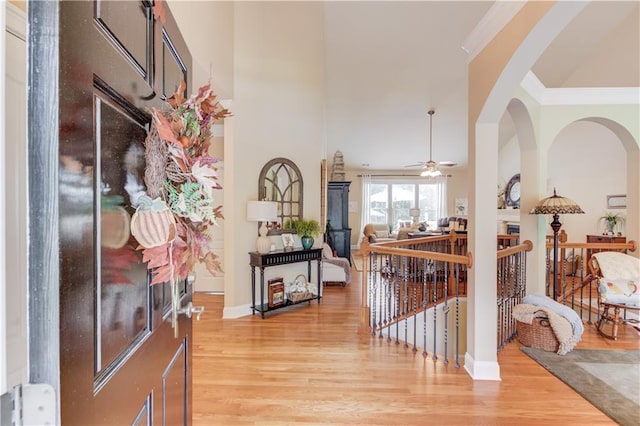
(524, 246)
(630, 245)
(385, 248)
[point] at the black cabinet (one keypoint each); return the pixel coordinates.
(338, 231)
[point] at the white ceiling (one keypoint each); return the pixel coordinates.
(388, 63)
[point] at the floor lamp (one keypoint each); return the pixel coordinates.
(556, 205)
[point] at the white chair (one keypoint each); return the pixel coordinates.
(334, 269)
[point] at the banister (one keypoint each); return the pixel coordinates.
(524, 246)
(630, 245)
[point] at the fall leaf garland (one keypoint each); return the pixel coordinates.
(180, 177)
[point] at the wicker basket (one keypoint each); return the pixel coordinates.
(538, 334)
(300, 295)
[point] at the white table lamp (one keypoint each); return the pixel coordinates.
(415, 215)
(262, 211)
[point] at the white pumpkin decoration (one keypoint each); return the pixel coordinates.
(153, 223)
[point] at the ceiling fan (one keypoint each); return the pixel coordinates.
(430, 168)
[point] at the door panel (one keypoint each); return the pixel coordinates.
(122, 293)
(127, 25)
(119, 360)
(174, 388)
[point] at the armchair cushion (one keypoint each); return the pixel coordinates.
(620, 291)
(614, 265)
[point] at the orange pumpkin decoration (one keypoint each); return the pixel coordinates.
(114, 227)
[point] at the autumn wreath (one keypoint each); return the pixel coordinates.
(173, 221)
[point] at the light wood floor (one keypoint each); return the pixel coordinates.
(310, 365)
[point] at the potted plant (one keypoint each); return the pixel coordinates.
(611, 220)
(307, 229)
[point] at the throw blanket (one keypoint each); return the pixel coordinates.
(341, 261)
(561, 327)
(560, 309)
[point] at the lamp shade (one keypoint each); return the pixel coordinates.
(414, 212)
(556, 205)
(262, 211)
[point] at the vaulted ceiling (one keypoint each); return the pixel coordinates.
(388, 63)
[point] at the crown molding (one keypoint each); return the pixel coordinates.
(591, 96)
(499, 15)
(579, 95)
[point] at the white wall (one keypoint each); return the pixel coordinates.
(207, 28)
(586, 163)
(278, 109)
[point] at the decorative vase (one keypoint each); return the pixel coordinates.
(307, 242)
(610, 227)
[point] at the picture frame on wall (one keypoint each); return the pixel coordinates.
(618, 201)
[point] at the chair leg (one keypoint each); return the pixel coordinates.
(605, 316)
(616, 321)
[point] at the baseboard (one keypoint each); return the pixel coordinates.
(236, 311)
(482, 370)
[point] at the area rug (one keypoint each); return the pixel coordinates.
(608, 379)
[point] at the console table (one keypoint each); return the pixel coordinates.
(276, 258)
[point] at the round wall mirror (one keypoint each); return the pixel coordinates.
(280, 180)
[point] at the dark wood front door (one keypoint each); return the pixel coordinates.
(97, 68)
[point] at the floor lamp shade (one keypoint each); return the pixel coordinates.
(556, 205)
(262, 211)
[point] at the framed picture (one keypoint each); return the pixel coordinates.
(617, 201)
(287, 241)
(461, 206)
(276, 292)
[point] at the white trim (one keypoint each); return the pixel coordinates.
(499, 15)
(482, 370)
(16, 21)
(579, 95)
(533, 86)
(3, 313)
(236, 311)
(591, 96)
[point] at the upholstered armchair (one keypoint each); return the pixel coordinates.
(334, 269)
(378, 232)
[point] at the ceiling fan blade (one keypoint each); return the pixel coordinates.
(421, 164)
(447, 163)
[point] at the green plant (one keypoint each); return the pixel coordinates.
(307, 228)
(612, 219)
